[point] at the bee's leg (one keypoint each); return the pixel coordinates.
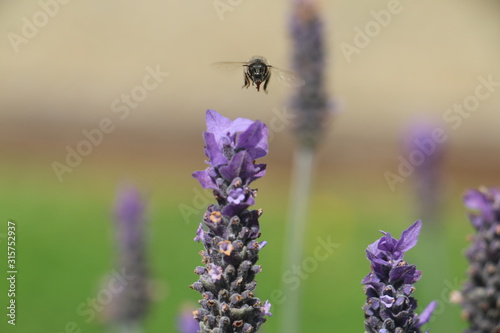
(247, 81)
(266, 81)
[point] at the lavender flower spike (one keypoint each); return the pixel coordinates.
(309, 102)
(481, 293)
(130, 306)
(420, 140)
(389, 306)
(226, 281)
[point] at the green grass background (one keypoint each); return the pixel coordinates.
(65, 241)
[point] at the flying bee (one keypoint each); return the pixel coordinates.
(257, 71)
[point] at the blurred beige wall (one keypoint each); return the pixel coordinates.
(66, 76)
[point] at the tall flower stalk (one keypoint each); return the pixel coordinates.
(230, 230)
(427, 149)
(129, 307)
(310, 106)
(390, 306)
(420, 141)
(481, 293)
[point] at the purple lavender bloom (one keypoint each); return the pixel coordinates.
(421, 146)
(231, 250)
(389, 306)
(481, 293)
(310, 102)
(132, 303)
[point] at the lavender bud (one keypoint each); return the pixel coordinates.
(231, 249)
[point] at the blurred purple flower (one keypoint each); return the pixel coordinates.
(388, 287)
(231, 250)
(310, 101)
(131, 304)
(481, 293)
(186, 322)
(424, 146)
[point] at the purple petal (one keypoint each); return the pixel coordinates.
(373, 249)
(236, 196)
(416, 276)
(199, 270)
(266, 309)
(408, 289)
(260, 171)
(221, 126)
(400, 300)
(370, 279)
(216, 123)
(254, 140)
(232, 209)
(200, 234)
(226, 247)
(204, 179)
(214, 271)
(425, 316)
(387, 243)
(404, 273)
(479, 202)
(213, 151)
(409, 237)
(387, 300)
(241, 165)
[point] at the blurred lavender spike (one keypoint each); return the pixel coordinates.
(421, 140)
(186, 322)
(310, 106)
(310, 101)
(130, 306)
(230, 230)
(390, 306)
(481, 293)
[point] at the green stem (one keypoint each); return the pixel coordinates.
(299, 200)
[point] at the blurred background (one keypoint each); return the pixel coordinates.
(63, 73)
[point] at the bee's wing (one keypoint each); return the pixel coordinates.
(228, 66)
(288, 78)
